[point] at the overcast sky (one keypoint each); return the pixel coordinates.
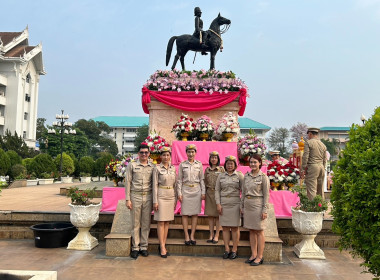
(316, 61)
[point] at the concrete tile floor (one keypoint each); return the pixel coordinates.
(22, 254)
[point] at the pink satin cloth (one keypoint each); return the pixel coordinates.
(110, 198)
(190, 101)
(282, 202)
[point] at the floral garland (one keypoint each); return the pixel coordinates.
(228, 124)
(291, 172)
(204, 125)
(155, 142)
(207, 81)
(275, 172)
(250, 144)
(184, 124)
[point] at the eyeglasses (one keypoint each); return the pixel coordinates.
(143, 153)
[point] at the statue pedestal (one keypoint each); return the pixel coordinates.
(162, 117)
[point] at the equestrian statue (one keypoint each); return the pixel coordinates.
(201, 41)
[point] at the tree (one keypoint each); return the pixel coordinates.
(16, 143)
(101, 163)
(40, 128)
(298, 130)
(42, 163)
(13, 157)
(356, 194)
(141, 133)
(5, 163)
(86, 165)
(67, 164)
(17, 171)
(332, 146)
(278, 140)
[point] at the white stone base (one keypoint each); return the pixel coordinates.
(308, 249)
(85, 179)
(66, 180)
(35, 275)
(45, 181)
(84, 241)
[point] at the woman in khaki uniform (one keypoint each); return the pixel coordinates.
(191, 191)
(227, 196)
(254, 202)
(211, 175)
(164, 197)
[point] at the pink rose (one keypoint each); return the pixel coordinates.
(320, 204)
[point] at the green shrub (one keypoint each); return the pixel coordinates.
(42, 163)
(86, 165)
(101, 163)
(18, 171)
(27, 162)
(67, 164)
(13, 157)
(356, 194)
(5, 163)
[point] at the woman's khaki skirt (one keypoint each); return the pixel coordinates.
(191, 200)
(210, 207)
(230, 212)
(166, 201)
(253, 209)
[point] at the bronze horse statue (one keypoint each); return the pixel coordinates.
(188, 42)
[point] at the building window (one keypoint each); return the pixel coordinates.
(28, 78)
(131, 129)
(25, 116)
(115, 134)
(27, 97)
(24, 134)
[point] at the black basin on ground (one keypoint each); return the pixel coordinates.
(53, 235)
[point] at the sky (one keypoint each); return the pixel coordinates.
(315, 62)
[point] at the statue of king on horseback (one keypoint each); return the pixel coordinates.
(201, 41)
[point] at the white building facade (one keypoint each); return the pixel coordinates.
(20, 69)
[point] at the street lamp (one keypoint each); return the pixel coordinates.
(363, 118)
(64, 128)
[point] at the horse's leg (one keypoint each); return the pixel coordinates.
(182, 59)
(212, 60)
(176, 57)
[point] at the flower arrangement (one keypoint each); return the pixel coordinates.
(292, 173)
(250, 144)
(155, 142)
(121, 167)
(184, 125)
(207, 81)
(81, 197)
(306, 205)
(111, 170)
(276, 173)
(204, 125)
(228, 124)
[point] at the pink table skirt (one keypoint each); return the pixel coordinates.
(281, 200)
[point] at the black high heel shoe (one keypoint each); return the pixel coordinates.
(256, 264)
(250, 261)
(159, 252)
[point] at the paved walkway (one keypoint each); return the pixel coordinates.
(78, 265)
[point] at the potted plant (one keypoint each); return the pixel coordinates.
(155, 143)
(46, 178)
(292, 175)
(276, 175)
(83, 215)
(112, 171)
(184, 127)
(307, 219)
(31, 179)
(204, 128)
(85, 177)
(248, 145)
(68, 167)
(228, 127)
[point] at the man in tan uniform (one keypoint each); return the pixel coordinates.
(138, 195)
(314, 164)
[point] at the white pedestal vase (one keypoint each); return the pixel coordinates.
(66, 180)
(84, 217)
(308, 224)
(85, 179)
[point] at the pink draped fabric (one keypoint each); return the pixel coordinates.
(190, 101)
(283, 202)
(110, 198)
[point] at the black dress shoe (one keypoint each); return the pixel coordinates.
(226, 254)
(256, 264)
(144, 253)
(164, 256)
(187, 243)
(134, 254)
(215, 241)
(233, 255)
(250, 261)
(209, 240)
(193, 242)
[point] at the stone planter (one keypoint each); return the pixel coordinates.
(33, 182)
(45, 181)
(66, 180)
(308, 224)
(84, 217)
(85, 179)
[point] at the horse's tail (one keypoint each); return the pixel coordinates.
(169, 49)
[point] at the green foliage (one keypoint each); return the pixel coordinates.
(16, 143)
(42, 163)
(81, 197)
(46, 175)
(332, 146)
(18, 171)
(27, 163)
(67, 164)
(356, 194)
(306, 205)
(101, 163)
(3, 185)
(86, 165)
(5, 163)
(141, 134)
(14, 157)
(40, 128)
(278, 140)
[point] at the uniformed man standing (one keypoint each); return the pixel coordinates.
(314, 163)
(138, 195)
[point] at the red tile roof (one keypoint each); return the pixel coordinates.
(7, 37)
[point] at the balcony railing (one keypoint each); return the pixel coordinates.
(2, 120)
(3, 100)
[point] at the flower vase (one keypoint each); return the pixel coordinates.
(275, 185)
(84, 217)
(155, 158)
(309, 224)
(203, 136)
(184, 136)
(290, 186)
(116, 182)
(282, 187)
(228, 136)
